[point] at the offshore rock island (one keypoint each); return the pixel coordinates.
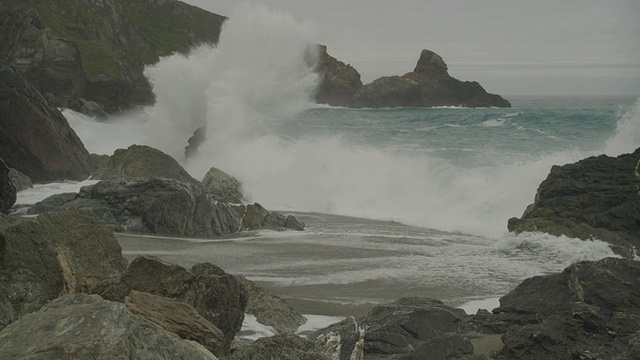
(428, 85)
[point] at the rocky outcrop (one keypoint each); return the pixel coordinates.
(140, 161)
(19, 180)
(177, 317)
(271, 310)
(339, 82)
(166, 207)
(428, 85)
(97, 50)
(217, 296)
(36, 138)
(593, 198)
(52, 255)
(7, 189)
(88, 327)
(223, 186)
(591, 310)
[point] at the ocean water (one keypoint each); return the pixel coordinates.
(398, 202)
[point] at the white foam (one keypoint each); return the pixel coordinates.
(40, 192)
(317, 322)
(627, 136)
(472, 307)
(252, 329)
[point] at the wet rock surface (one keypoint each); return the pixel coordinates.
(595, 197)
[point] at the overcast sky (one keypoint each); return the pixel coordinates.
(512, 47)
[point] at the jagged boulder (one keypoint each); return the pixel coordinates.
(217, 296)
(428, 85)
(271, 310)
(224, 187)
(141, 161)
(177, 317)
(51, 255)
(339, 82)
(88, 327)
(591, 310)
(35, 137)
(166, 207)
(594, 197)
(7, 189)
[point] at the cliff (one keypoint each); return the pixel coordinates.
(96, 50)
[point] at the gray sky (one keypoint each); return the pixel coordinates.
(542, 47)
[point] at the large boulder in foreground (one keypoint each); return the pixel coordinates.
(141, 161)
(217, 296)
(88, 327)
(591, 310)
(595, 197)
(7, 189)
(167, 207)
(428, 85)
(223, 186)
(35, 138)
(52, 255)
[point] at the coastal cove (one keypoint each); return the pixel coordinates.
(177, 184)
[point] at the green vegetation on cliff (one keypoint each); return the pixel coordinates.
(147, 29)
(115, 39)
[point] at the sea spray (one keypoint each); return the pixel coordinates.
(256, 84)
(627, 136)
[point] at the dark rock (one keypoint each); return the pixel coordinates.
(223, 186)
(97, 162)
(595, 197)
(19, 180)
(281, 347)
(36, 139)
(407, 324)
(167, 207)
(589, 311)
(271, 310)
(338, 82)
(52, 203)
(177, 317)
(140, 161)
(198, 137)
(389, 91)
(49, 61)
(93, 109)
(87, 327)
(52, 255)
(428, 85)
(445, 347)
(7, 189)
(219, 298)
(406, 329)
